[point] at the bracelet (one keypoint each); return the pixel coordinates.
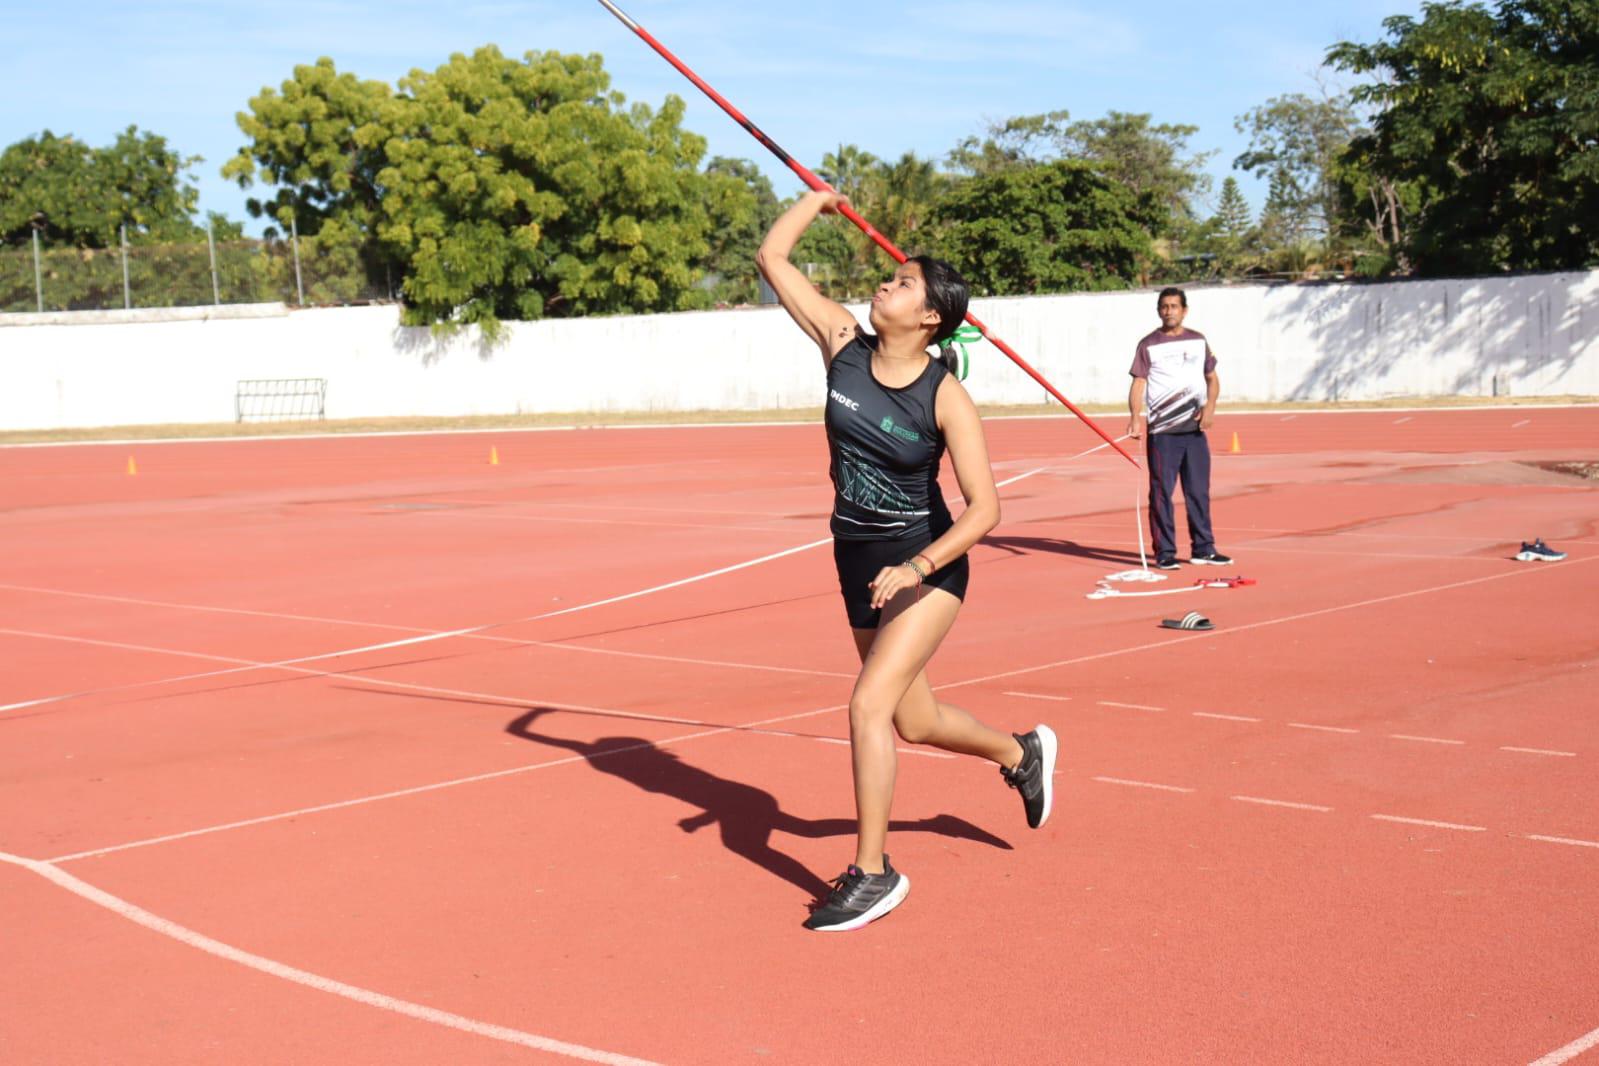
(925, 559)
(921, 575)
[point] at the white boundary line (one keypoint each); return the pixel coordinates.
(1283, 803)
(1586, 1042)
(1141, 784)
(1431, 824)
(154, 922)
(574, 427)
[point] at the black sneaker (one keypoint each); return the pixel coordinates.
(1214, 558)
(1034, 776)
(859, 898)
(1167, 563)
(1538, 552)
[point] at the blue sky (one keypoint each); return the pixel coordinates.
(890, 76)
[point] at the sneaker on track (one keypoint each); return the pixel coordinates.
(1214, 558)
(1034, 776)
(1538, 552)
(1166, 564)
(859, 898)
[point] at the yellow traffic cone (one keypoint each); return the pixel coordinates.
(1235, 449)
(133, 467)
(494, 456)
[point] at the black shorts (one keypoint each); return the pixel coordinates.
(859, 561)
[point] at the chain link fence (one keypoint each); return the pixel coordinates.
(294, 270)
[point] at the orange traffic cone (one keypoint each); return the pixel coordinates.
(133, 467)
(494, 456)
(1235, 449)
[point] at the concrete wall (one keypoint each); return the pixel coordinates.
(1521, 336)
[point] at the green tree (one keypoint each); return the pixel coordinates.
(1025, 140)
(1484, 150)
(1052, 227)
(318, 140)
(76, 195)
(502, 188)
(1295, 142)
(1152, 159)
(741, 207)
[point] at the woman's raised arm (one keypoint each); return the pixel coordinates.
(823, 320)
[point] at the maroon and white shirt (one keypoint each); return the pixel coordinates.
(1175, 369)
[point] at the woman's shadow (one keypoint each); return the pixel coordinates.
(747, 816)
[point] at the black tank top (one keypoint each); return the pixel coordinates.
(885, 446)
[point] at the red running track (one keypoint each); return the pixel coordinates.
(1355, 823)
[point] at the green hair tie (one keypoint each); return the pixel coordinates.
(964, 334)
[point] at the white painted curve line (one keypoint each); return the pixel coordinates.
(1226, 718)
(154, 922)
(1423, 740)
(1129, 706)
(1321, 728)
(1523, 422)
(1542, 751)
(1402, 421)
(1583, 1043)
(1283, 803)
(1039, 696)
(1572, 841)
(1141, 784)
(1431, 824)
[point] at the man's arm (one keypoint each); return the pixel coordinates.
(1135, 408)
(1212, 390)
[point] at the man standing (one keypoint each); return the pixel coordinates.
(1172, 402)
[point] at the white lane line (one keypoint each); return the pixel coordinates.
(470, 630)
(513, 641)
(1287, 418)
(1226, 717)
(1586, 1042)
(1423, 740)
(1518, 425)
(1321, 728)
(844, 743)
(1434, 825)
(1141, 784)
(1282, 803)
(429, 637)
(184, 935)
(1249, 626)
(470, 778)
(1039, 696)
(1402, 421)
(1541, 751)
(1130, 706)
(1574, 842)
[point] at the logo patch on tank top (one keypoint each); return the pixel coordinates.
(887, 426)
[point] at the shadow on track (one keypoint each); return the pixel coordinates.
(745, 815)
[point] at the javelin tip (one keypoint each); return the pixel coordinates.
(619, 13)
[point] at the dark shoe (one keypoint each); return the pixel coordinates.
(1538, 552)
(859, 898)
(1167, 563)
(1034, 776)
(1214, 558)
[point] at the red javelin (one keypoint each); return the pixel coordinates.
(844, 209)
